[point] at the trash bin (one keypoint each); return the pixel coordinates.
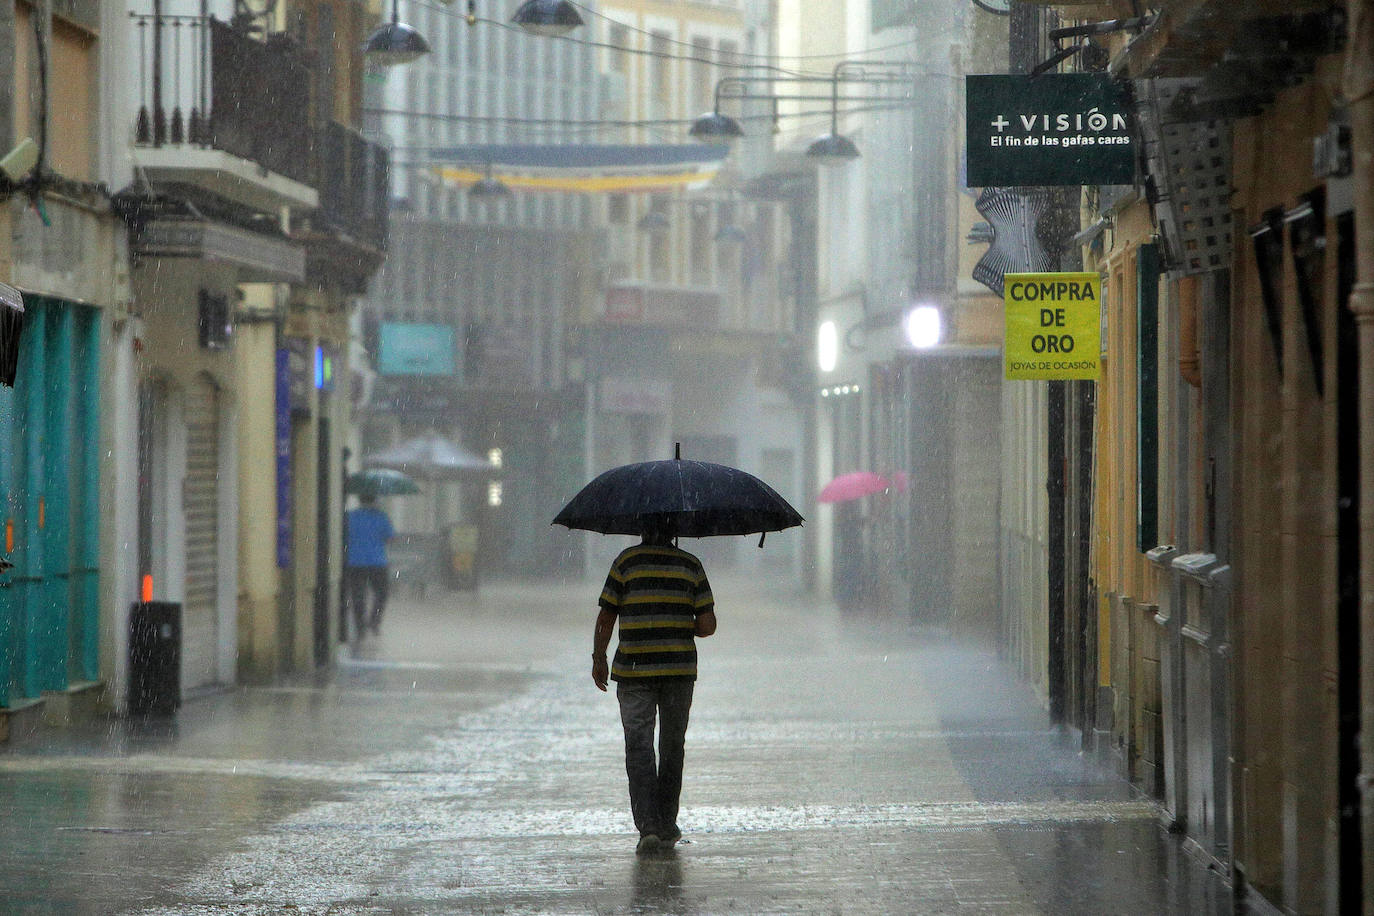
(155, 658)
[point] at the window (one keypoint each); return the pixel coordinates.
(661, 81)
(619, 39)
(216, 325)
(729, 51)
(618, 209)
(703, 86)
(701, 245)
(660, 249)
(887, 14)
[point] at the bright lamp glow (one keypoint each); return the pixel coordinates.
(923, 327)
(827, 346)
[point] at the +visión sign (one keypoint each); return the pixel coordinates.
(1053, 326)
(1054, 129)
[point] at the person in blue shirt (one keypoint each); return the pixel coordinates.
(365, 564)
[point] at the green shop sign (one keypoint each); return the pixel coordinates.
(1053, 129)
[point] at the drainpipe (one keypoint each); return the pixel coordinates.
(1359, 90)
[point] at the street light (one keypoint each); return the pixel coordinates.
(489, 187)
(547, 17)
(714, 127)
(656, 220)
(924, 327)
(395, 43)
(832, 148)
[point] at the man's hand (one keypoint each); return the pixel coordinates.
(706, 624)
(601, 639)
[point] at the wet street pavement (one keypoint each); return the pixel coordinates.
(463, 762)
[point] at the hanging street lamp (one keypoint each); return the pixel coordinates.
(395, 43)
(547, 17)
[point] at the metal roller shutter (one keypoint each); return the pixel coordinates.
(200, 624)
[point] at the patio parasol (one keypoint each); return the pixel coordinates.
(432, 457)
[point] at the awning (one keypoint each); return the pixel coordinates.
(260, 258)
(584, 168)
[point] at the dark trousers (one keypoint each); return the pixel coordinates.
(360, 579)
(655, 786)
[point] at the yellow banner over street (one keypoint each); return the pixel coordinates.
(1053, 326)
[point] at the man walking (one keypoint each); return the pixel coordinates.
(663, 601)
(365, 562)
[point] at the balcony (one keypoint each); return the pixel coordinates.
(348, 231)
(224, 112)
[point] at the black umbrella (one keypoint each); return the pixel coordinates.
(697, 498)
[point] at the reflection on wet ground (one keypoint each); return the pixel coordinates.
(463, 763)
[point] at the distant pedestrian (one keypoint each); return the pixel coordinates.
(663, 600)
(365, 562)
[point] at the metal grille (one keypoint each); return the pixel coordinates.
(1190, 164)
(201, 502)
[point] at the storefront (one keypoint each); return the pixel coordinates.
(49, 474)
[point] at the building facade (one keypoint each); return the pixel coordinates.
(694, 337)
(905, 363)
(199, 190)
(63, 248)
(1215, 650)
(493, 283)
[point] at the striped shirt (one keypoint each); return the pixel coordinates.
(657, 592)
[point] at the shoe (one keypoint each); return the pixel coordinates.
(647, 843)
(672, 837)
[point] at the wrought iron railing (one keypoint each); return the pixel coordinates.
(353, 181)
(202, 83)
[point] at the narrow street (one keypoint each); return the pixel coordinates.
(462, 762)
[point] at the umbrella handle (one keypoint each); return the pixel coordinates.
(762, 535)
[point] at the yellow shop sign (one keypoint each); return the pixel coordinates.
(1053, 326)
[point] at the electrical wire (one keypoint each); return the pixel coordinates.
(743, 54)
(612, 124)
(738, 61)
(552, 126)
(641, 52)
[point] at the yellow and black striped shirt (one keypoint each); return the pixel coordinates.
(657, 592)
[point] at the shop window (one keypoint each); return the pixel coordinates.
(215, 321)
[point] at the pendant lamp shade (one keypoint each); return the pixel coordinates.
(489, 188)
(714, 127)
(547, 17)
(832, 149)
(395, 43)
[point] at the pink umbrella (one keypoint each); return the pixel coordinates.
(854, 485)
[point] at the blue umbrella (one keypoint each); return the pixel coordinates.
(380, 482)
